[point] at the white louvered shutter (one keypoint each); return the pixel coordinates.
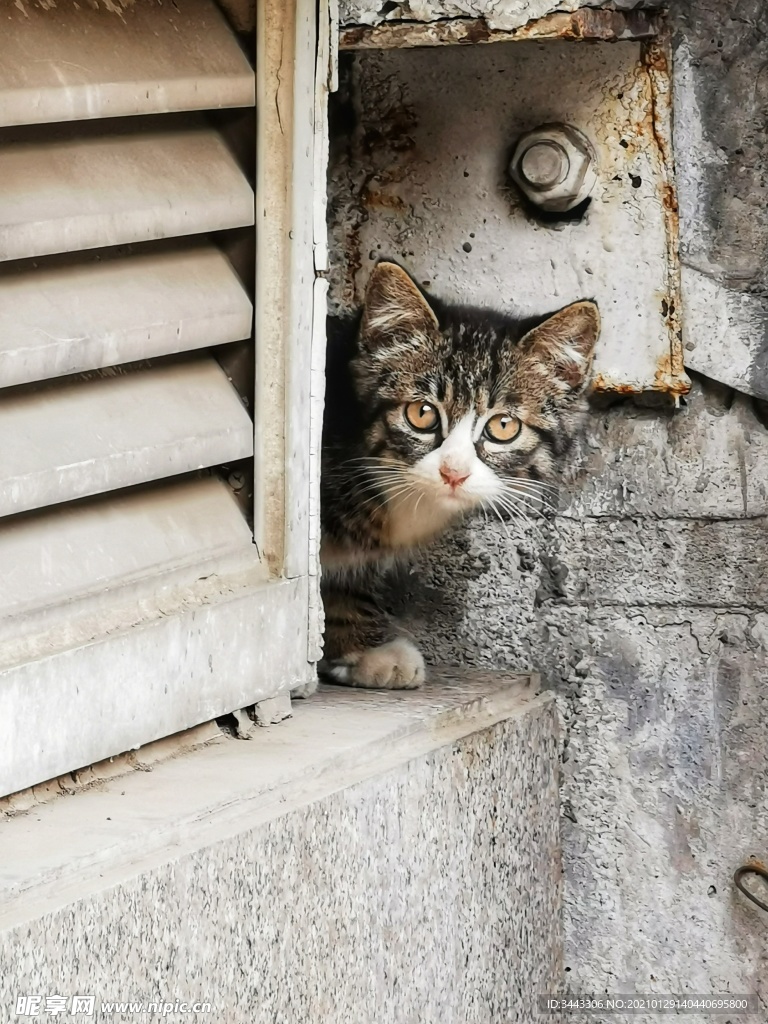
(135, 600)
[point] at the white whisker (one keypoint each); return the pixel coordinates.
(492, 507)
(390, 498)
(522, 499)
(409, 491)
(516, 487)
(548, 494)
(524, 481)
(515, 511)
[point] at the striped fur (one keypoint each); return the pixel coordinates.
(387, 487)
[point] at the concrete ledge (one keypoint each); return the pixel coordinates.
(387, 856)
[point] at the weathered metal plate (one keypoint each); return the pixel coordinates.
(421, 178)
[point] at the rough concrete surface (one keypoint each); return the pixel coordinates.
(644, 602)
(721, 151)
(388, 858)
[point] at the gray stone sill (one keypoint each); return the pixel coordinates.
(78, 845)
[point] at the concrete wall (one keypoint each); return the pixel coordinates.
(644, 602)
(378, 857)
(722, 152)
(644, 606)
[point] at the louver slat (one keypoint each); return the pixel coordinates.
(78, 61)
(75, 550)
(65, 318)
(91, 190)
(98, 435)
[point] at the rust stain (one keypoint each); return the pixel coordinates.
(669, 375)
(607, 26)
(393, 130)
(668, 379)
(477, 32)
(375, 199)
(655, 57)
(351, 38)
(602, 384)
(383, 143)
(668, 198)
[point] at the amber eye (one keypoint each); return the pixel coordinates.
(422, 416)
(502, 428)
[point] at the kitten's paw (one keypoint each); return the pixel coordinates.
(302, 692)
(396, 665)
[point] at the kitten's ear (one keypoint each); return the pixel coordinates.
(394, 305)
(565, 343)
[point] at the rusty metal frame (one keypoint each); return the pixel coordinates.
(647, 27)
(584, 24)
(670, 376)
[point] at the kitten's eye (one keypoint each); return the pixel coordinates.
(422, 416)
(502, 428)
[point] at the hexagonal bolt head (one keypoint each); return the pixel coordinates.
(554, 167)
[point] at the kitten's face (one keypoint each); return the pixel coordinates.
(467, 409)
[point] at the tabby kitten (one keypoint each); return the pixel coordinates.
(432, 412)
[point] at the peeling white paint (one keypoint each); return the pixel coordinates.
(502, 14)
(726, 332)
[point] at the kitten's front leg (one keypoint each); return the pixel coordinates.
(362, 647)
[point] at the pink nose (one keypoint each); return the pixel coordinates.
(452, 477)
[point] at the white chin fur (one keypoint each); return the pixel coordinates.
(434, 505)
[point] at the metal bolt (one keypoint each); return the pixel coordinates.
(544, 164)
(553, 166)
